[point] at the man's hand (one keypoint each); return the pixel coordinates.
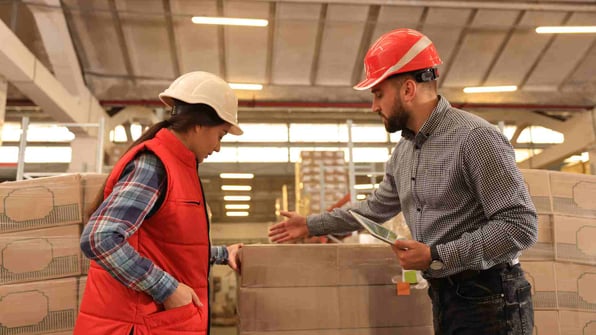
(292, 229)
(234, 257)
(183, 295)
(412, 255)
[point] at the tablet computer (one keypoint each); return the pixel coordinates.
(376, 229)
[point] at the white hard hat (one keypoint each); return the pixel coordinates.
(200, 87)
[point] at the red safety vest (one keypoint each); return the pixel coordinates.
(175, 238)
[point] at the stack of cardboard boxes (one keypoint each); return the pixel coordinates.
(41, 265)
(321, 180)
(562, 266)
(331, 289)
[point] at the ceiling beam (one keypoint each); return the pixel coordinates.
(121, 40)
(502, 47)
(51, 23)
(171, 37)
(365, 41)
(221, 37)
(450, 60)
(580, 5)
(579, 135)
(270, 43)
(314, 70)
(542, 53)
(20, 67)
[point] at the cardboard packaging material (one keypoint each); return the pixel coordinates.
(91, 184)
(285, 265)
(573, 194)
(38, 307)
(546, 323)
(575, 239)
(576, 287)
(541, 275)
(40, 203)
(538, 184)
(335, 288)
(577, 323)
(543, 250)
(40, 254)
(425, 330)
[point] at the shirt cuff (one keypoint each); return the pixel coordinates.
(219, 255)
(163, 288)
(315, 226)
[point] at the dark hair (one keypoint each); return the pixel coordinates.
(183, 118)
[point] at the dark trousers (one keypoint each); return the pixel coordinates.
(496, 301)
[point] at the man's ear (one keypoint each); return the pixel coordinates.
(408, 90)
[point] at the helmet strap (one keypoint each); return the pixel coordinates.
(425, 75)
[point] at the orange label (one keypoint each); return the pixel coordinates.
(403, 288)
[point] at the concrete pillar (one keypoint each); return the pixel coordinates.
(84, 154)
(3, 91)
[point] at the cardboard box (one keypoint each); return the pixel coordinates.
(543, 250)
(302, 265)
(91, 184)
(538, 184)
(425, 330)
(546, 323)
(541, 275)
(331, 307)
(40, 254)
(573, 194)
(577, 323)
(85, 264)
(40, 203)
(312, 288)
(575, 239)
(576, 287)
(38, 307)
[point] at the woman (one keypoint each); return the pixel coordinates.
(149, 238)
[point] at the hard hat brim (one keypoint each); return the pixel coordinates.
(367, 83)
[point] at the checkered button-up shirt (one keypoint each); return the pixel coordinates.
(459, 188)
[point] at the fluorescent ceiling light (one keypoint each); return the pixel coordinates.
(489, 89)
(238, 206)
(230, 21)
(248, 87)
(239, 213)
(236, 175)
(236, 188)
(237, 197)
(566, 29)
(360, 196)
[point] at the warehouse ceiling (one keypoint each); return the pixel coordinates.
(310, 54)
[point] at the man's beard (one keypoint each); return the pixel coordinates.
(398, 118)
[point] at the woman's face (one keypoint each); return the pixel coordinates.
(205, 140)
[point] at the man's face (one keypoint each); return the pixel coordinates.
(387, 103)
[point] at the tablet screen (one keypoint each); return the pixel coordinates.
(375, 229)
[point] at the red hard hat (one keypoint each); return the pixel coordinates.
(398, 51)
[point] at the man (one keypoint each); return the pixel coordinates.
(454, 177)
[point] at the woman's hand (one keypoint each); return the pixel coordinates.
(183, 295)
(234, 257)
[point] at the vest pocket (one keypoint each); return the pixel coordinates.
(183, 318)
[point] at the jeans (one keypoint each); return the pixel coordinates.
(496, 301)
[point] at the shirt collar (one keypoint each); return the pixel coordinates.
(431, 124)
